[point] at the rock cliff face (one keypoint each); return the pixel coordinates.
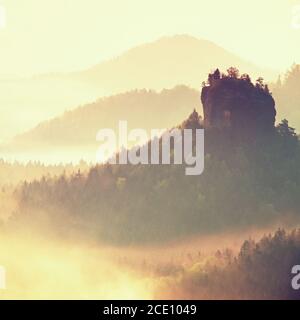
(234, 101)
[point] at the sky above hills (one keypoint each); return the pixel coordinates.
(66, 35)
(165, 63)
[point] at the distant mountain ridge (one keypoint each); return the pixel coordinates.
(141, 108)
(165, 63)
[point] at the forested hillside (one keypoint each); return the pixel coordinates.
(261, 270)
(140, 108)
(242, 185)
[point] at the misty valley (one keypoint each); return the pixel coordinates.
(96, 203)
(151, 231)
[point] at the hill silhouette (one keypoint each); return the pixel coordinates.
(78, 128)
(165, 63)
(242, 185)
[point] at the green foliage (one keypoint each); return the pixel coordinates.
(242, 185)
(13, 173)
(261, 270)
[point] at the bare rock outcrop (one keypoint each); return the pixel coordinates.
(233, 101)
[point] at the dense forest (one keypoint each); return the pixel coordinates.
(149, 150)
(250, 182)
(245, 183)
(13, 173)
(260, 270)
(141, 108)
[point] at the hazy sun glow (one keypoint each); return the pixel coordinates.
(71, 229)
(89, 31)
(45, 270)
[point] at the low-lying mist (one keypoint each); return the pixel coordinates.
(41, 268)
(42, 265)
